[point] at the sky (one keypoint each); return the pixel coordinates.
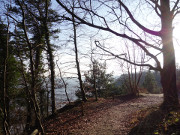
(114, 65)
(66, 54)
(176, 35)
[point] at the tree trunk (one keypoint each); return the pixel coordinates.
(94, 84)
(29, 117)
(5, 87)
(64, 83)
(94, 79)
(47, 106)
(51, 64)
(94, 74)
(37, 61)
(51, 61)
(29, 112)
(77, 62)
(33, 100)
(168, 73)
(33, 91)
(28, 100)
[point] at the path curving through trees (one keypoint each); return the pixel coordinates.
(106, 117)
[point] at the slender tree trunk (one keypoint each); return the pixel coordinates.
(5, 89)
(65, 89)
(94, 79)
(94, 84)
(168, 73)
(138, 80)
(51, 61)
(37, 61)
(28, 100)
(29, 117)
(47, 106)
(77, 62)
(94, 75)
(29, 111)
(33, 93)
(51, 64)
(33, 99)
(64, 83)
(47, 98)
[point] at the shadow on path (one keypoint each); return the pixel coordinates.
(159, 122)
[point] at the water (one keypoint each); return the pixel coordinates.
(61, 100)
(60, 94)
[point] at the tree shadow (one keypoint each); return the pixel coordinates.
(160, 122)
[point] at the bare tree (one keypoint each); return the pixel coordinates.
(160, 40)
(77, 59)
(64, 83)
(134, 72)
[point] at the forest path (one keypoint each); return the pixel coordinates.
(105, 117)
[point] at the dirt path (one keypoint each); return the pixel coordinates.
(107, 117)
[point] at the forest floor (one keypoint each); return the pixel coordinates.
(104, 117)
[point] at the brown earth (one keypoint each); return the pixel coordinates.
(105, 117)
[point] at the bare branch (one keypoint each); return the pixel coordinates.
(156, 33)
(134, 40)
(175, 6)
(150, 45)
(12, 17)
(156, 6)
(124, 59)
(177, 12)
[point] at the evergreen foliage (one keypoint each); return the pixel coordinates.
(26, 63)
(103, 81)
(150, 83)
(12, 74)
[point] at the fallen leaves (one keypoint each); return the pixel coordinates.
(105, 115)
